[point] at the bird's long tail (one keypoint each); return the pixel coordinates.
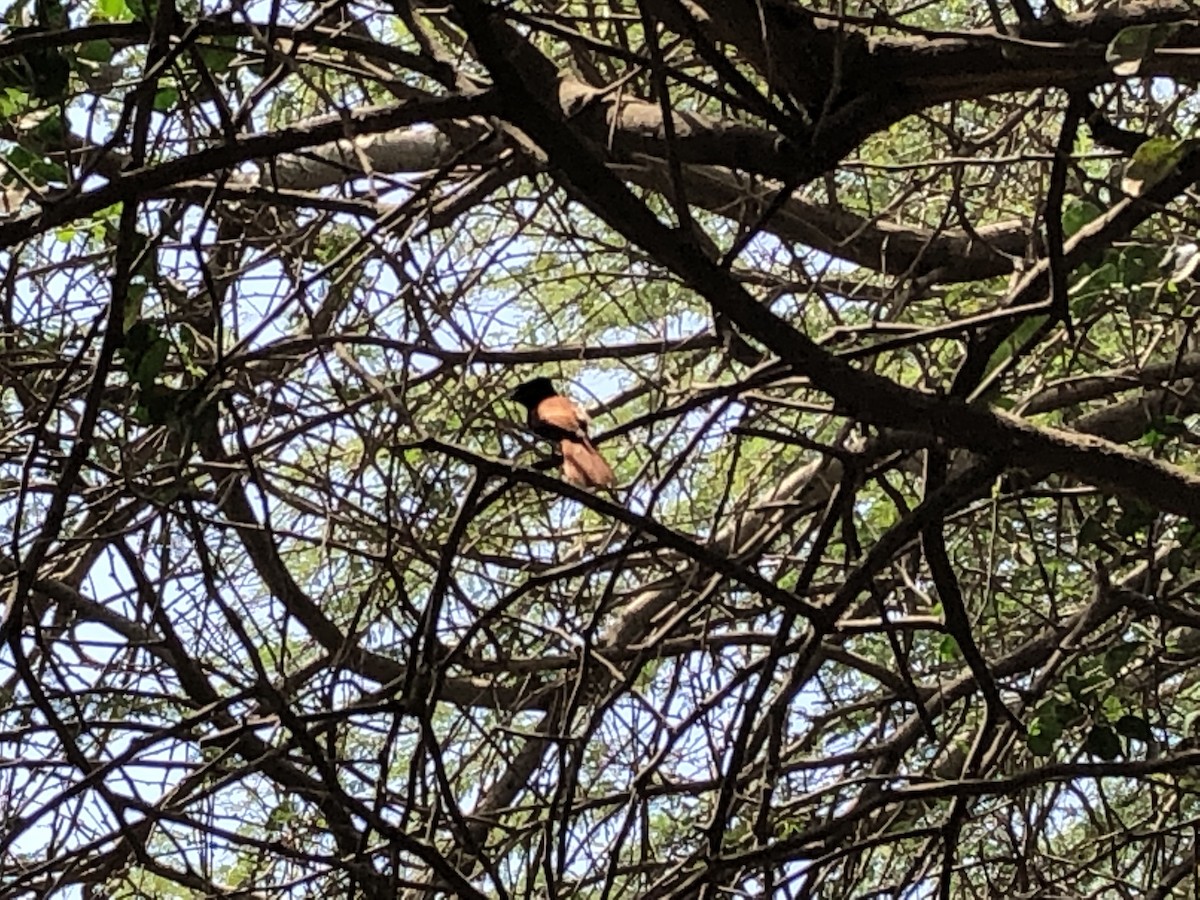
(583, 466)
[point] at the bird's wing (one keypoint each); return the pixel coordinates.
(559, 412)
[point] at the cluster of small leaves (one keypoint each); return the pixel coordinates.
(1093, 706)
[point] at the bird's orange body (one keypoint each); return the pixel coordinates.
(558, 418)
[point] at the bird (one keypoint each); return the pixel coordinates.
(557, 418)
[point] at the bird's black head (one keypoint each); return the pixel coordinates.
(533, 392)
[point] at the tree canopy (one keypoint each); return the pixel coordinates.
(884, 312)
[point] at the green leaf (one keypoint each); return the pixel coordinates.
(1048, 711)
(1153, 161)
(948, 648)
(95, 51)
(1189, 724)
(36, 168)
(1138, 264)
(151, 362)
(1133, 45)
(218, 55)
(283, 813)
(1043, 732)
(1040, 744)
(139, 336)
(1112, 708)
(1135, 728)
(333, 241)
(1103, 742)
(13, 101)
(187, 352)
(143, 9)
(1093, 282)
(1071, 714)
(1152, 438)
(160, 405)
(1116, 657)
(112, 11)
(133, 305)
(1189, 536)
(166, 99)
(1162, 430)
(1078, 214)
(1172, 425)
(1014, 342)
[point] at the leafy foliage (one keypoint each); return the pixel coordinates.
(885, 316)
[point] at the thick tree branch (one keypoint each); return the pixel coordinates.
(868, 396)
(142, 182)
